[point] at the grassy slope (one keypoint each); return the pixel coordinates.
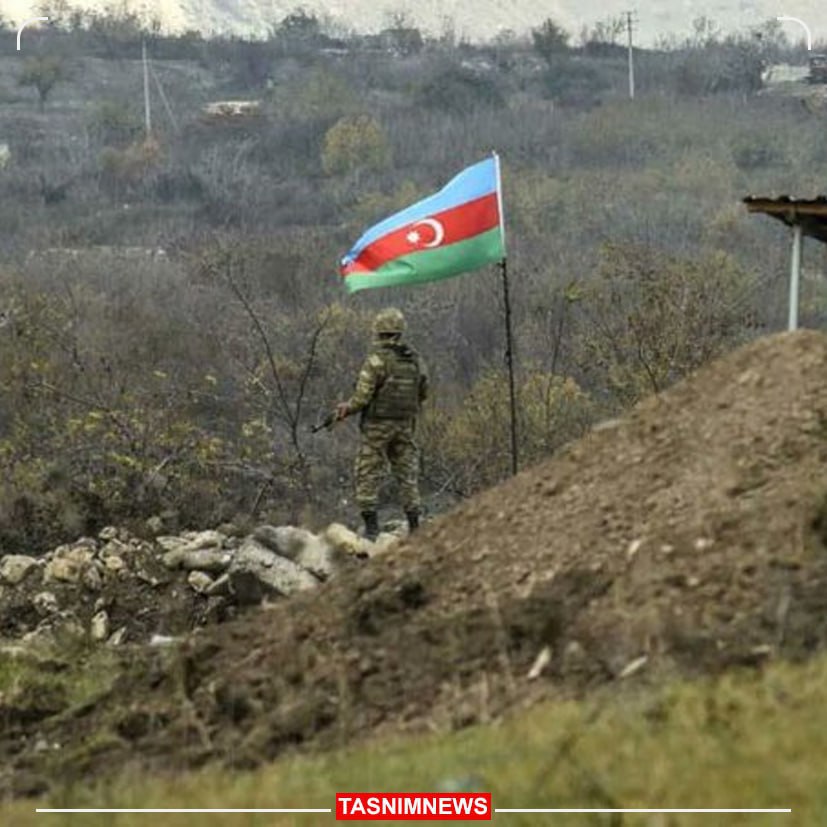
(751, 740)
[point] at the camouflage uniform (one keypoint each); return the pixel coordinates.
(391, 386)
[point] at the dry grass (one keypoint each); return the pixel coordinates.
(747, 740)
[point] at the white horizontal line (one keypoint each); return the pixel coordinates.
(142, 810)
(328, 810)
(705, 810)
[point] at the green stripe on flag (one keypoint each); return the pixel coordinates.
(432, 265)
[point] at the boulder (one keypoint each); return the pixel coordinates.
(172, 544)
(320, 559)
(155, 526)
(45, 604)
(65, 569)
(118, 637)
(204, 539)
(162, 640)
(108, 533)
(115, 548)
(59, 628)
(68, 563)
(115, 564)
(91, 578)
(345, 541)
(286, 541)
(221, 587)
(15, 567)
(203, 550)
(214, 561)
(82, 551)
(99, 627)
(257, 572)
(200, 582)
(276, 539)
(170, 519)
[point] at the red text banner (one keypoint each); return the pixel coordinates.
(413, 806)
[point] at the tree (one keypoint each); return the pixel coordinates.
(651, 318)
(43, 73)
(705, 32)
(298, 28)
(403, 40)
(608, 30)
(460, 91)
(549, 40)
(603, 38)
(355, 143)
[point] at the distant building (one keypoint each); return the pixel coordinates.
(231, 110)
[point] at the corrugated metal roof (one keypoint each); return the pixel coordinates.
(787, 199)
(810, 213)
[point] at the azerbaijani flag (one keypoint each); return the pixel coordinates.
(458, 229)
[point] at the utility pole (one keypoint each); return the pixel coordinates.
(147, 110)
(629, 26)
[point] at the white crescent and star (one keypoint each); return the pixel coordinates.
(415, 237)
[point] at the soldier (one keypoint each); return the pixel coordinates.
(390, 389)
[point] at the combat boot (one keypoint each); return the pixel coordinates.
(371, 519)
(413, 521)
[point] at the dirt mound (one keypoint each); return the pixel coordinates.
(690, 537)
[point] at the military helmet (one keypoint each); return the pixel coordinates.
(389, 321)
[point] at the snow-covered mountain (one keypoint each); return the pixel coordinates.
(473, 19)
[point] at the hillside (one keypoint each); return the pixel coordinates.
(468, 19)
(685, 539)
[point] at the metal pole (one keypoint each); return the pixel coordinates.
(147, 111)
(631, 55)
(795, 276)
(509, 358)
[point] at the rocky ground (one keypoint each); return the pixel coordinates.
(117, 588)
(688, 538)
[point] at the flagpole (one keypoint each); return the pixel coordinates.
(509, 338)
(509, 358)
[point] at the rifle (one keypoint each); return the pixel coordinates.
(325, 424)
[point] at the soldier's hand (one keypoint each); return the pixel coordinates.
(342, 410)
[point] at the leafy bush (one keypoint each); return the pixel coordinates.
(460, 91)
(355, 143)
(650, 318)
(128, 166)
(468, 447)
(114, 123)
(754, 151)
(43, 73)
(574, 83)
(728, 67)
(549, 39)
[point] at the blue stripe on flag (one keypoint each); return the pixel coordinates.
(474, 182)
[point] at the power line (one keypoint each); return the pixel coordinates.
(164, 99)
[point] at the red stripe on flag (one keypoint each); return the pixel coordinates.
(457, 224)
